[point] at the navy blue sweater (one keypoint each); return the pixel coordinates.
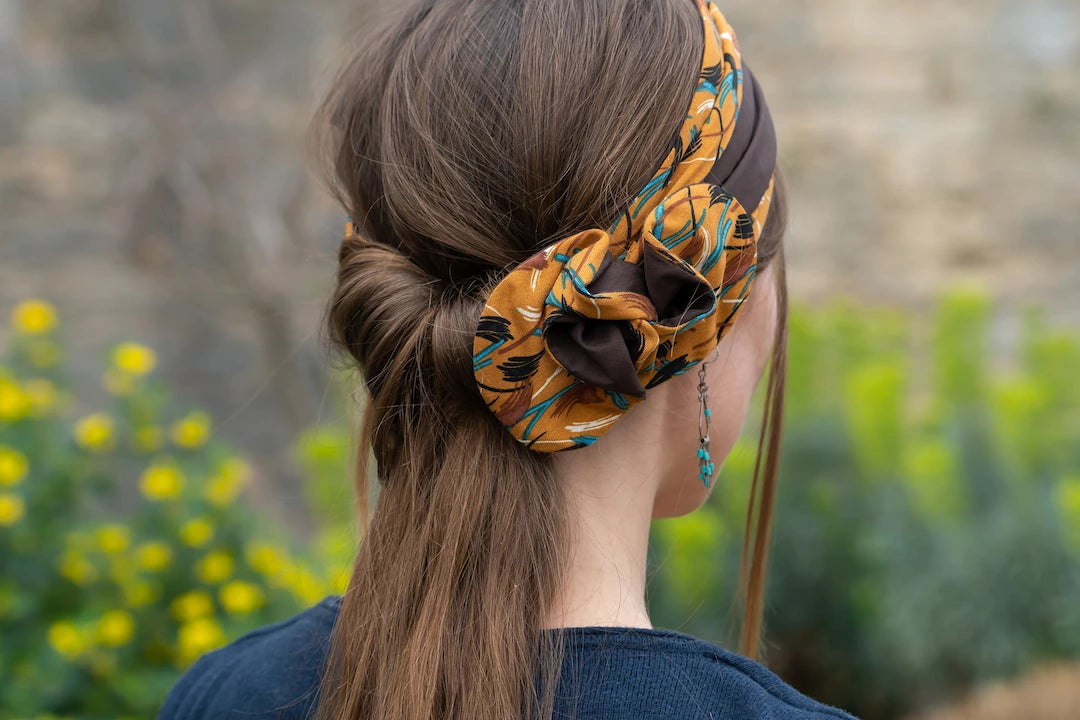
(610, 673)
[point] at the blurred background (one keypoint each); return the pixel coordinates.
(174, 444)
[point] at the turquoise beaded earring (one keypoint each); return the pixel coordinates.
(707, 467)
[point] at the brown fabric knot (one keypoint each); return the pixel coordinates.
(608, 319)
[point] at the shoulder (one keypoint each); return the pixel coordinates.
(657, 672)
(270, 672)
(753, 684)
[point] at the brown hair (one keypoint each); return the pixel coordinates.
(461, 137)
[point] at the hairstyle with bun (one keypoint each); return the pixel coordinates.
(461, 136)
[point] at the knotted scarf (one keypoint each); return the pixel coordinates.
(573, 337)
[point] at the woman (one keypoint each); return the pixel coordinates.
(559, 209)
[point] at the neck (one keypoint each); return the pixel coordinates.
(611, 507)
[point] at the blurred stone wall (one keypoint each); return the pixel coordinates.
(154, 184)
(928, 143)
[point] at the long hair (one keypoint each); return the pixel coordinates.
(462, 136)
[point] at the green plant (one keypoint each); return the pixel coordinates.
(124, 553)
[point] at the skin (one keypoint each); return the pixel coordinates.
(646, 467)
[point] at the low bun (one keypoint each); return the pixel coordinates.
(453, 327)
(409, 334)
(372, 313)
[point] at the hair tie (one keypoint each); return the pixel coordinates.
(573, 337)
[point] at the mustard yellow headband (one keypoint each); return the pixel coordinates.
(573, 337)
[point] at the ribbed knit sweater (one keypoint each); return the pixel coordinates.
(609, 673)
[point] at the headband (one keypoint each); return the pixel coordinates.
(573, 337)
(569, 340)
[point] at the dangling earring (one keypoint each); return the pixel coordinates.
(706, 471)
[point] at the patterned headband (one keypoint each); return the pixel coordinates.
(569, 340)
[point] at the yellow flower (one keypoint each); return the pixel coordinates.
(162, 481)
(13, 466)
(118, 382)
(197, 531)
(265, 559)
(134, 358)
(76, 568)
(215, 567)
(115, 628)
(12, 509)
(192, 430)
(220, 492)
(226, 483)
(41, 395)
(148, 438)
(304, 585)
(153, 555)
(139, 593)
(13, 401)
(239, 597)
(67, 639)
(33, 317)
(113, 538)
(197, 637)
(94, 432)
(192, 605)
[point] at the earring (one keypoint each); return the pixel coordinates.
(706, 471)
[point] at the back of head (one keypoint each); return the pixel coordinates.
(461, 137)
